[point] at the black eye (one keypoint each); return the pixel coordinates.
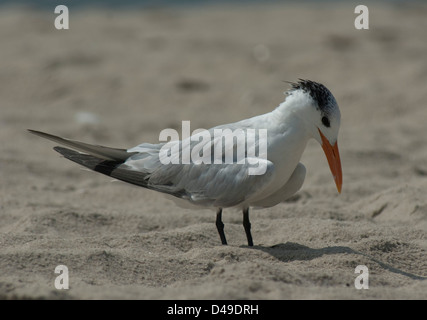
(326, 122)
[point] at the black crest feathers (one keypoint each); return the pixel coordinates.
(317, 91)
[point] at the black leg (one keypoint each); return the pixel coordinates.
(247, 225)
(220, 226)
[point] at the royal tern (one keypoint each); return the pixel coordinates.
(309, 111)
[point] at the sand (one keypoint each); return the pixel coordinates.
(118, 78)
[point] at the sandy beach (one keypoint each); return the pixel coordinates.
(119, 77)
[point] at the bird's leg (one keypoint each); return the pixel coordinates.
(247, 225)
(220, 226)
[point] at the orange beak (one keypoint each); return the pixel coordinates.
(334, 161)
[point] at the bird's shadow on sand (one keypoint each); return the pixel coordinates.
(291, 251)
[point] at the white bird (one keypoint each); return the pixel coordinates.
(309, 111)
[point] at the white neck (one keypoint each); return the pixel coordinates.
(294, 114)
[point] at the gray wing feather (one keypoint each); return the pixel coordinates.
(114, 169)
(218, 185)
(97, 151)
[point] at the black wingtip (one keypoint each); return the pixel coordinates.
(35, 132)
(96, 164)
(113, 169)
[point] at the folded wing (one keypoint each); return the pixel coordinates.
(217, 185)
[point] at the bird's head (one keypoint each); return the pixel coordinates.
(322, 117)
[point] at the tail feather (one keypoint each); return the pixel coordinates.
(101, 152)
(112, 168)
(91, 162)
(108, 161)
(107, 167)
